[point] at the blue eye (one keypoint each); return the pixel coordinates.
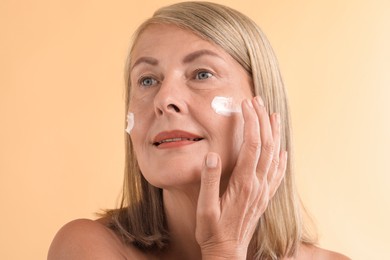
(147, 81)
(202, 75)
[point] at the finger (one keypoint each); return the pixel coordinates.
(281, 172)
(208, 201)
(264, 198)
(250, 149)
(275, 123)
(260, 205)
(267, 142)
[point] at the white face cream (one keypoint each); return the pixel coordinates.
(130, 122)
(224, 106)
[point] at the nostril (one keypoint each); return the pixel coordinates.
(160, 112)
(173, 106)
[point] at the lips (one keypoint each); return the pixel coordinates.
(175, 137)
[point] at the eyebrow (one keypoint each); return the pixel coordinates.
(147, 60)
(187, 59)
(197, 54)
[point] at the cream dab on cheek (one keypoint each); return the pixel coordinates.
(130, 122)
(224, 106)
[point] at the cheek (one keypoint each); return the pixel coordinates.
(226, 128)
(227, 136)
(233, 139)
(143, 113)
(235, 132)
(139, 133)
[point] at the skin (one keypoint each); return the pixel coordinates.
(181, 82)
(177, 84)
(215, 190)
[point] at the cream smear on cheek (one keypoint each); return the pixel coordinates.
(221, 105)
(130, 122)
(224, 106)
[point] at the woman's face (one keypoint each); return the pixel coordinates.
(174, 76)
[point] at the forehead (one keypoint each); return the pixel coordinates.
(156, 38)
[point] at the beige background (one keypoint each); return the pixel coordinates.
(62, 110)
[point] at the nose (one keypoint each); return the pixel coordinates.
(170, 97)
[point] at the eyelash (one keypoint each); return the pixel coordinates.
(142, 79)
(198, 71)
(195, 76)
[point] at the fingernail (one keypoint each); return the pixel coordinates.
(278, 118)
(211, 160)
(259, 101)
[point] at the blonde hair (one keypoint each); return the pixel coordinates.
(281, 228)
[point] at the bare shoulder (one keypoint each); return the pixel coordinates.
(88, 239)
(317, 253)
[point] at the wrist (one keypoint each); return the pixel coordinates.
(220, 257)
(227, 254)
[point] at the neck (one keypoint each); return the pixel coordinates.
(180, 209)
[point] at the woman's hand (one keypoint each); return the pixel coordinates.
(225, 225)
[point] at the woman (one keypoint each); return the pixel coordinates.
(207, 173)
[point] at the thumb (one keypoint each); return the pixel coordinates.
(208, 201)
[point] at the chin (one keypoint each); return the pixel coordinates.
(174, 174)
